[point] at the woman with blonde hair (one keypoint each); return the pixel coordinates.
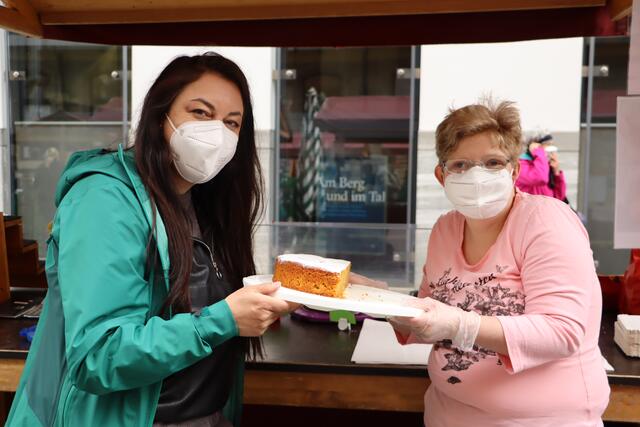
(510, 294)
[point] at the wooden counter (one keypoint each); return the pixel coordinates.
(308, 365)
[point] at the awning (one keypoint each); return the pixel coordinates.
(366, 117)
(312, 22)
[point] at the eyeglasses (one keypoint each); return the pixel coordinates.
(495, 164)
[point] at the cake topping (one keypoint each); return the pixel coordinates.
(314, 261)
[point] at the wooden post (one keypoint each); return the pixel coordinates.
(21, 17)
(626, 225)
(619, 9)
(4, 264)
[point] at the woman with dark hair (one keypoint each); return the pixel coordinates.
(146, 321)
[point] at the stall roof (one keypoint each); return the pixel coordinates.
(312, 22)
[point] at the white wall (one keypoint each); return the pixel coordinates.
(256, 62)
(542, 76)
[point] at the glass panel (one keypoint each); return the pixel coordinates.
(612, 52)
(344, 135)
(601, 205)
(611, 63)
(391, 253)
(64, 97)
(584, 94)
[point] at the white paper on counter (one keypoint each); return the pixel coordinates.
(377, 344)
(627, 206)
(607, 366)
(633, 86)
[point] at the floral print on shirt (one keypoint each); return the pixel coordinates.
(487, 297)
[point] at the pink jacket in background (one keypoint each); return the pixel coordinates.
(534, 176)
(539, 280)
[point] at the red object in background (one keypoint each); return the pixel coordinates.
(630, 292)
(611, 287)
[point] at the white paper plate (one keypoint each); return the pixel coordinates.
(357, 298)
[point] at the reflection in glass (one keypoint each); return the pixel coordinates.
(611, 63)
(344, 135)
(612, 53)
(65, 97)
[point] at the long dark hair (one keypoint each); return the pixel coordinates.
(227, 207)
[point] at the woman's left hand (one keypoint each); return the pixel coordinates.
(554, 163)
(439, 322)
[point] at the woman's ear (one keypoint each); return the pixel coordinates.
(516, 171)
(439, 173)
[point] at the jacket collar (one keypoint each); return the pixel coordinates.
(160, 233)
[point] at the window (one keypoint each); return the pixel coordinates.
(64, 97)
(608, 57)
(345, 156)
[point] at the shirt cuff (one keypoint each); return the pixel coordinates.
(512, 361)
(216, 323)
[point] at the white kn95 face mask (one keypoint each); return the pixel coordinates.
(479, 193)
(202, 149)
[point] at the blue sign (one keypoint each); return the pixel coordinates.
(353, 190)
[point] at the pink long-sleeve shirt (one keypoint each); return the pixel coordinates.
(539, 280)
(534, 176)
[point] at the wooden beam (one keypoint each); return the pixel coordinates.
(346, 391)
(120, 12)
(623, 404)
(380, 393)
(619, 9)
(341, 391)
(21, 17)
(488, 27)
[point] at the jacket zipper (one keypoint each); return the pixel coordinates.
(215, 264)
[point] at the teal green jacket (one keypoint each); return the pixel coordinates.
(101, 350)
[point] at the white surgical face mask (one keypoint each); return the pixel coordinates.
(202, 148)
(479, 193)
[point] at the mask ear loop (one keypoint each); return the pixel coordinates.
(171, 123)
(175, 130)
(513, 177)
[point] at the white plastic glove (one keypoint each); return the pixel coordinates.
(440, 322)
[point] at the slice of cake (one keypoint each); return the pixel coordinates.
(313, 274)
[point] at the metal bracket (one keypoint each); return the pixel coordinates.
(285, 74)
(598, 71)
(405, 73)
(17, 75)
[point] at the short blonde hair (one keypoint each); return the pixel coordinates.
(501, 119)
